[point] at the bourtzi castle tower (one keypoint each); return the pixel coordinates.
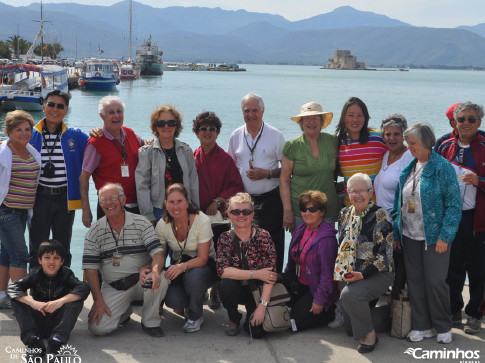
(344, 60)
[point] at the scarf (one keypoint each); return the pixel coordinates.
(345, 260)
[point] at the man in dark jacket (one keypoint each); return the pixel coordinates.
(54, 304)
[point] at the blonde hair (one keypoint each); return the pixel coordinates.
(240, 198)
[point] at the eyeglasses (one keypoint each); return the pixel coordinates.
(205, 128)
(162, 123)
(247, 110)
(245, 212)
(112, 199)
(471, 119)
(311, 209)
(357, 192)
(60, 106)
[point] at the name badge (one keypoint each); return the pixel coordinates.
(125, 172)
(116, 259)
(411, 206)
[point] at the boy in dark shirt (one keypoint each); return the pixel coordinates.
(54, 304)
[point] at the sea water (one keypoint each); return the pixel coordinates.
(420, 95)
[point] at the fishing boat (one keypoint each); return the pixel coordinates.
(100, 75)
(24, 86)
(149, 58)
(129, 69)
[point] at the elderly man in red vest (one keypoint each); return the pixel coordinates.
(110, 158)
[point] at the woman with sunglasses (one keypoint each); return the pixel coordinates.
(308, 276)
(246, 253)
(219, 179)
(167, 161)
(187, 232)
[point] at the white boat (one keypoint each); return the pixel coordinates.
(100, 75)
(24, 86)
(170, 67)
(129, 70)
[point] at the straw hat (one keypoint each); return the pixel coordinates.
(313, 108)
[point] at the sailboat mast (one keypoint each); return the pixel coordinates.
(131, 21)
(42, 32)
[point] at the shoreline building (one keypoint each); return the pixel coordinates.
(343, 59)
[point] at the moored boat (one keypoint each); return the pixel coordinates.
(100, 75)
(24, 86)
(129, 70)
(149, 58)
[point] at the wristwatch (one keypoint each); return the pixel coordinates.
(264, 303)
(217, 202)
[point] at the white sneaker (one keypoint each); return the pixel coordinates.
(444, 338)
(191, 326)
(418, 335)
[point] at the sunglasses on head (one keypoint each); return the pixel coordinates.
(471, 119)
(245, 212)
(311, 209)
(162, 123)
(60, 106)
(205, 128)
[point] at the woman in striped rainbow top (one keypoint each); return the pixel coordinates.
(19, 176)
(361, 148)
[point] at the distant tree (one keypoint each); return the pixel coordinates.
(23, 45)
(50, 50)
(5, 50)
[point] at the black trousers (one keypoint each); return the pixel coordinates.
(467, 256)
(232, 293)
(50, 213)
(301, 303)
(60, 323)
(268, 214)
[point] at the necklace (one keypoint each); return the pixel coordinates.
(169, 158)
(24, 154)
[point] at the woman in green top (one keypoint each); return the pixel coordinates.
(309, 162)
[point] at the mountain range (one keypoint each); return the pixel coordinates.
(199, 34)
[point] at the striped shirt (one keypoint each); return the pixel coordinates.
(354, 157)
(23, 183)
(136, 243)
(57, 158)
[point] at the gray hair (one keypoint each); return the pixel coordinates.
(360, 177)
(423, 133)
(478, 109)
(396, 120)
(250, 96)
(106, 100)
(109, 184)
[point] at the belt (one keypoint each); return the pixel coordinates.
(53, 191)
(267, 194)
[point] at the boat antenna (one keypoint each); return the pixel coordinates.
(41, 32)
(131, 23)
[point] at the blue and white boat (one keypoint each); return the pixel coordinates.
(24, 86)
(100, 75)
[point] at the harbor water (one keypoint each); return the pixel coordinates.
(420, 95)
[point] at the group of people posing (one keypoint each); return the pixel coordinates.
(173, 223)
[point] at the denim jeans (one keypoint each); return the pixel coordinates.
(13, 251)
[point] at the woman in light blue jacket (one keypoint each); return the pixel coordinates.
(19, 176)
(426, 214)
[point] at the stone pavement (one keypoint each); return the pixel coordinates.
(210, 344)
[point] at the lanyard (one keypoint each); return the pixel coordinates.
(122, 151)
(414, 178)
(459, 155)
(300, 250)
(51, 151)
(174, 230)
(251, 149)
(114, 237)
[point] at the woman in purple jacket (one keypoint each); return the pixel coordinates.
(308, 276)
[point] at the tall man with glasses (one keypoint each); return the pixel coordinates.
(112, 157)
(257, 149)
(465, 149)
(62, 151)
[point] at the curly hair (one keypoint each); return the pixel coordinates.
(207, 118)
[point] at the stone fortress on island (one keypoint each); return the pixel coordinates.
(343, 59)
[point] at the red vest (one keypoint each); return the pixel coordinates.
(109, 168)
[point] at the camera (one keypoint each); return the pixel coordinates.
(148, 284)
(348, 275)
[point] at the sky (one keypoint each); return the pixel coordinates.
(431, 13)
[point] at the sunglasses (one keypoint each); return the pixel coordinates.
(60, 106)
(470, 119)
(205, 128)
(162, 123)
(311, 209)
(245, 212)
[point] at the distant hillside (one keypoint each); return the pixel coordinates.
(215, 35)
(479, 29)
